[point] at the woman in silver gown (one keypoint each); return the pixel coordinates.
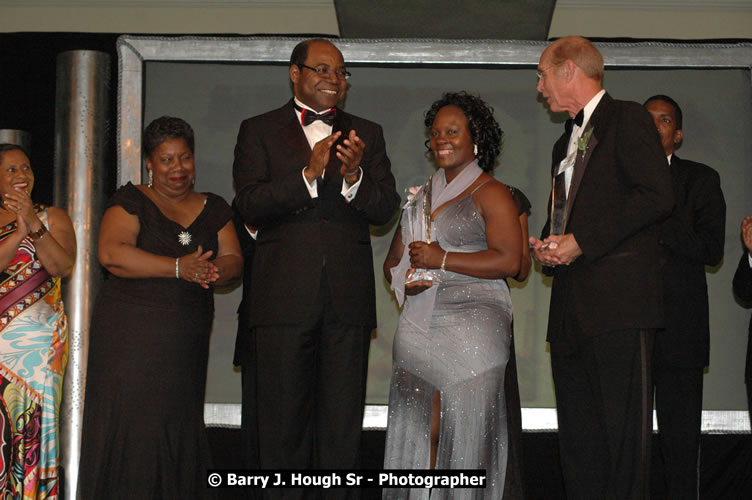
(446, 404)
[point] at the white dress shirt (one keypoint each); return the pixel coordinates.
(567, 164)
(314, 132)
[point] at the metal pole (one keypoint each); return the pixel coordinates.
(81, 126)
(17, 137)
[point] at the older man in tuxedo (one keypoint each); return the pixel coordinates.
(691, 238)
(311, 178)
(611, 189)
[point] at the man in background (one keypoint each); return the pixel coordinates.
(691, 238)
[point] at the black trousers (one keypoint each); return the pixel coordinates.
(311, 395)
(514, 486)
(248, 424)
(678, 404)
(604, 406)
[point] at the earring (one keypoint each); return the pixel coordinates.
(151, 178)
(475, 149)
(193, 182)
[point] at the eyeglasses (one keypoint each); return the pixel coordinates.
(325, 72)
(542, 73)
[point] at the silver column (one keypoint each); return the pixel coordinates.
(17, 137)
(81, 126)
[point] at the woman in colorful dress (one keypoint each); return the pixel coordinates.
(37, 248)
(166, 247)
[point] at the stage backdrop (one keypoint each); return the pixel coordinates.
(717, 103)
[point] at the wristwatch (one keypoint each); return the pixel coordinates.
(35, 235)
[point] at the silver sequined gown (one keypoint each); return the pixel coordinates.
(463, 356)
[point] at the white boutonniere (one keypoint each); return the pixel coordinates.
(412, 192)
(582, 142)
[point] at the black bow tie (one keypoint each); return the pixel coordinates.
(307, 116)
(579, 117)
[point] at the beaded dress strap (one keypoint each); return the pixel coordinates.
(480, 186)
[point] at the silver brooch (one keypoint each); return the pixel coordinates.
(184, 238)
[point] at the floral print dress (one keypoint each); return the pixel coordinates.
(33, 355)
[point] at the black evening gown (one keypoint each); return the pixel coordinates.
(143, 432)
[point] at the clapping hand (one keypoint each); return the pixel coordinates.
(320, 157)
(351, 154)
(19, 202)
(197, 268)
(747, 232)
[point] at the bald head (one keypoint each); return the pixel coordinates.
(581, 52)
(570, 72)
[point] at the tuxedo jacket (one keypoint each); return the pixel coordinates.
(743, 290)
(691, 238)
(304, 240)
(620, 191)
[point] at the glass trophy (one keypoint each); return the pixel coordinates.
(558, 205)
(418, 219)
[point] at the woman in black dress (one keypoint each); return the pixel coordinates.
(166, 247)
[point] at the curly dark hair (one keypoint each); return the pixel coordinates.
(164, 128)
(4, 148)
(484, 129)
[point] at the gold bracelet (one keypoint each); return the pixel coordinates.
(443, 261)
(36, 235)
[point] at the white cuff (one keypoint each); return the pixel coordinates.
(313, 187)
(348, 191)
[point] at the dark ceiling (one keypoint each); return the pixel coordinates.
(452, 19)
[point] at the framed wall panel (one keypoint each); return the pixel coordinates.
(214, 83)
